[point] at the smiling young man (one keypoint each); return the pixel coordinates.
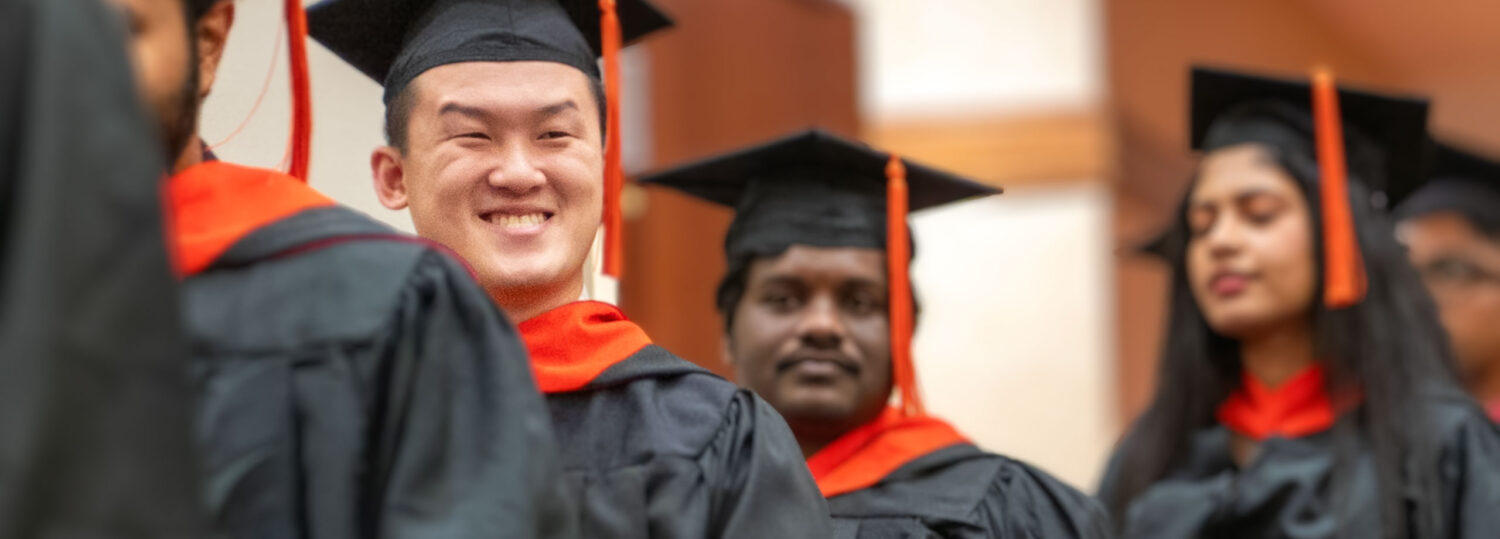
(809, 325)
(352, 381)
(1452, 228)
(493, 115)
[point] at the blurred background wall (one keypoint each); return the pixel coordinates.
(1036, 338)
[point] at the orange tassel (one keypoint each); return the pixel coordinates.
(1343, 270)
(301, 140)
(614, 175)
(898, 260)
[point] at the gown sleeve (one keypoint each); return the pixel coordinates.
(459, 442)
(1023, 502)
(95, 395)
(755, 483)
(1470, 470)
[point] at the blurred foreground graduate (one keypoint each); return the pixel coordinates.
(95, 399)
(1305, 387)
(495, 119)
(354, 382)
(818, 320)
(1451, 227)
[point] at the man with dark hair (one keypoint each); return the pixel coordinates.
(497, 149)
(818, 315)
(353, 382)
(1452, 228)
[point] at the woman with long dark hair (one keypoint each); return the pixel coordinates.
(1305, 387)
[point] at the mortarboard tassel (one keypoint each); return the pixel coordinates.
(1343, 269)
(898, 260)
(301, 140)
(614, 175)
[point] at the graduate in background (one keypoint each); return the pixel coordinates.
(353, 382)
(495, 116)
(95, 399)
(1305, 388)
(817, 315)
(1452, 230)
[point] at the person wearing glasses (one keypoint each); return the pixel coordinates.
(1452, 230)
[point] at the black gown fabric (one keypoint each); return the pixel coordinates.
(359, 384)
(95, 400)
(658, 447)
(1303, 487)
(962, 492)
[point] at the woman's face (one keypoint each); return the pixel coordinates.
(1249, 257)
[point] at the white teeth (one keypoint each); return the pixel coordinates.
(530, 219)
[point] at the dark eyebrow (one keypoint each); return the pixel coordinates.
(857, 283)
(462, 110)
(780, 279)
(1244, 196)
(556, 108)
(1202, 205)
(1238, 198)
(482, 114)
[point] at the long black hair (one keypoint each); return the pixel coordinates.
(1390, 347)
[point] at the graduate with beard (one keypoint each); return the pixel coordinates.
(353, 382)
(504, 144)
(95, 400)
(818, 314)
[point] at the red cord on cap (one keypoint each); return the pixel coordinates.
(1343, 269)
(898, 261)
(301, 139)
(614, 175)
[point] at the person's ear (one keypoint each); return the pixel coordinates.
(210, 34)
(390, 177)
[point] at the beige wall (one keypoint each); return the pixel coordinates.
(958, 58)
(1014, 345)
(347, 113)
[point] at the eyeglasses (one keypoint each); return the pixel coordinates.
(1454, 273)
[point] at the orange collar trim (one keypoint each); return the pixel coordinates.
(214, 204)
(1298, 407)
(575, 343)
(862, 457)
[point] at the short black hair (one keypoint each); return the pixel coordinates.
(398, 111)
(196, 9)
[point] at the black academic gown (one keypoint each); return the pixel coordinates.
(964, 492)
(95, 400)
(655, 446)
(916, 477)
(1290, 489)
(356, 383)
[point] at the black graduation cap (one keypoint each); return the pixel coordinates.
(1461, 181)
(1384, 134)
(810, 188)
(393, 41)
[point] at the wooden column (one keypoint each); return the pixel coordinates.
(733, 72)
